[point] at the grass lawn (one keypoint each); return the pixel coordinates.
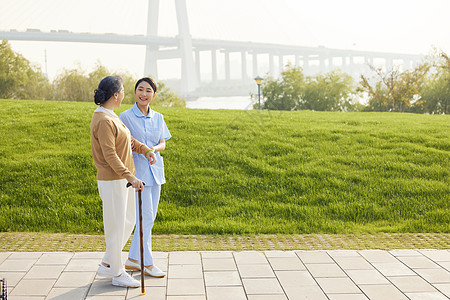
(237, 172)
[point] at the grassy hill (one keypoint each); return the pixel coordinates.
(237, 172)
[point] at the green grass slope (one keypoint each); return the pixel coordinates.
(237, 172)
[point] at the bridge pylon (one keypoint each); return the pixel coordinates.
(189, 78)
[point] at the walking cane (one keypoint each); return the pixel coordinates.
(141, 238)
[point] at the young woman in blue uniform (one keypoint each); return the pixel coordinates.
(148, 127)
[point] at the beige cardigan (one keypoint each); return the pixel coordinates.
(111, 147)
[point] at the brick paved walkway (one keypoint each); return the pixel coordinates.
(253, 275)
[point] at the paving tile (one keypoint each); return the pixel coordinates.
(275, 253)
(89, 255)
(382, 292)
(25, 255)
(325, 270)
(262, 286)
(154, 293)
(75, 279)
(418, 262)
(160, 255)
(226, 293)
(12, 297)
(225, 278)
(445, 265)
(367, 277)
(216, 254)
(150, 281)
(353, 263)
(412, 274)
(104, 287)
(199, 297)
(295, 278)
(250, 258)
(185, 271)
(184, 258)
(286, 263)
(378, 256)
(412, 284)
(314, 257)
(88, 264)
(103, 297)
(219, 264)
(426, 296)
(185, 287)
(343, 253)
(54, 258)
(162, 263)
(255, 271)
(305, 293)
(12, 278)
(267, 297)
(338, 286)
(434, 275)
(17, 265)
(347, 297)
(44, 272)
(443, 288)
(393, 269)
(405, 252)
(437, 255)
(4, 256)
(33, 287)
(68, 293)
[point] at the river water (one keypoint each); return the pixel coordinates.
(238, 102)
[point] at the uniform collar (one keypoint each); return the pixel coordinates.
(135, 109)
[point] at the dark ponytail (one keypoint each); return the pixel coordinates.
(106, 89)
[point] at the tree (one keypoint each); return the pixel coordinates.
(286, 92)
(75, 85)
(394, 90)
(128, 85)
(332, 91)
(167, 98)
(95, 77)
(18, 78)
(436, 91)
(72, 85)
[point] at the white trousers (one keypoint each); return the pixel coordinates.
(118, 219)
(150, 201)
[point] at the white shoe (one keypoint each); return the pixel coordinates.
(104, 271)
(125, 280)
(154, 272)
(132, 266)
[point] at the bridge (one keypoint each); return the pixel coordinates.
(312, 59)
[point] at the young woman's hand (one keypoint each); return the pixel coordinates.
(137, 184)
(151, 156)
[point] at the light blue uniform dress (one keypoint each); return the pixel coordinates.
(148, 130)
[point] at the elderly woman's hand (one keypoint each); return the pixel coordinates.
(137, 184)
(151, 156)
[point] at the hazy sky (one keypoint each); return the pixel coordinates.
(403, 26)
